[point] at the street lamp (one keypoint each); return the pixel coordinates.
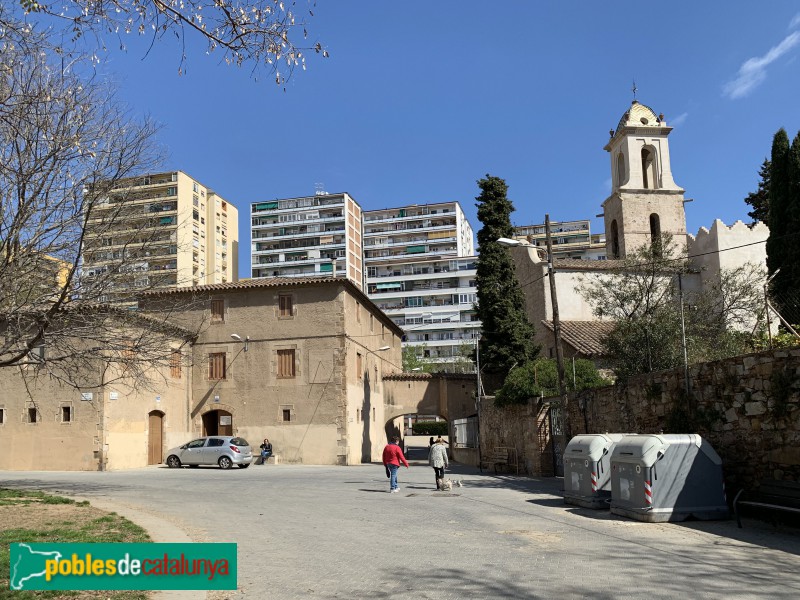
(509, 243)
(238, 338)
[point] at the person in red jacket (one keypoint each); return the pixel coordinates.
(392, 457)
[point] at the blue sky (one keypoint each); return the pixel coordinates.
(418, 100)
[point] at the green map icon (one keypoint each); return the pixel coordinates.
(28, 564)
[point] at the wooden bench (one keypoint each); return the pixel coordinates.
(771, 495)
(504, 457)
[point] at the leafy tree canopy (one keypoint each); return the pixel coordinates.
(539, 378)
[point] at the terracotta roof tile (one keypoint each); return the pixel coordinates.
(585, 336)
(248, 284)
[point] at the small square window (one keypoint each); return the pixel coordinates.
(66, 414)
(287, 414)
(33, 415)
(285, 305)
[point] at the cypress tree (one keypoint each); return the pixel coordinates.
(793, 241)
(507, 335)
(759, 199)
(779, 214)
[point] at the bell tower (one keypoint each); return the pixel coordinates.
(645, 201)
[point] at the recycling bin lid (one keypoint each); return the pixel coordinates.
(591, 445)
(645, 448)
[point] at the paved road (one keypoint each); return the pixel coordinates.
(335, 532)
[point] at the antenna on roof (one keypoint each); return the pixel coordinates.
(634, 89)
(319, 189)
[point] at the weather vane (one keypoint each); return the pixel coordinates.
(633, 89)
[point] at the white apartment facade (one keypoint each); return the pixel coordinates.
(307, 236)
(571, 239)
(421, 268)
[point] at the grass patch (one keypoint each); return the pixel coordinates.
(31, 516)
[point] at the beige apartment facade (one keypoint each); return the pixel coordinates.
(166, 230)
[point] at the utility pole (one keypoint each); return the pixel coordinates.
(560, 435)
(556, 320)
(683, 341)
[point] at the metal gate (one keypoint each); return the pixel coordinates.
(557, 438)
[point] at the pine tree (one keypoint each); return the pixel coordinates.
(507, 335)
(759, 199)
(779, 214)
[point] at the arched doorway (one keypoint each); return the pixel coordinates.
(218, 422)
(155, 437)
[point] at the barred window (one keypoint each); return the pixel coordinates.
(286, 363)
(216, 365)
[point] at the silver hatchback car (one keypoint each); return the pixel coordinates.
(221, 450)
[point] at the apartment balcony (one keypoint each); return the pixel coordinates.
(410, 229)
(320, 219)
(300, 204)
(413, 241)
(271, 235)
(401, 291)
(407, 255)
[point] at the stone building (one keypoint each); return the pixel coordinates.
(298, 360)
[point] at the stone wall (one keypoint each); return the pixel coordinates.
(746, 407)
(525, 428)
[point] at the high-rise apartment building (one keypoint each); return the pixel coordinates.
(421, 271)
(301, 237)
(571, 239)
(164, 229)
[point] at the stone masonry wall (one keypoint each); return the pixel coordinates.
(747, 407)
(525, 428)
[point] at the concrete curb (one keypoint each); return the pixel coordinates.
(160, 530)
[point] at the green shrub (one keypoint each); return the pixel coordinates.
(430, 428)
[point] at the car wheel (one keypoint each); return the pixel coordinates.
(224, 462)
(244, 466)
(173, 462)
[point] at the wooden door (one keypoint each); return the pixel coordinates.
(155, 438)
(225, 420)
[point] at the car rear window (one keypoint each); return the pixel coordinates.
(239, 442)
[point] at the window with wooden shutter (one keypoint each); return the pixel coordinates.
(217, 311)
(175, 364)
(286, 363)
(285, 305)
(216, 365)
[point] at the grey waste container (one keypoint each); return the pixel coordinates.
(672, 477)
(587, 469)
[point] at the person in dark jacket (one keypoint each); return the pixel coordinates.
(266, 451)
